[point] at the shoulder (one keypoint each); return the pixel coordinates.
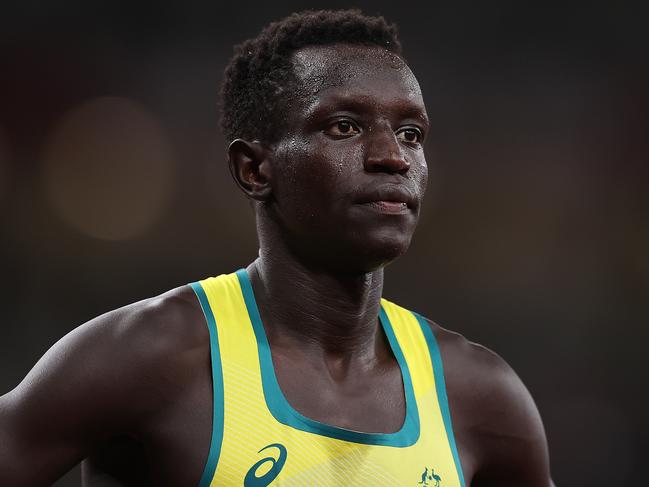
(157, 343)
(120, 366)
(495, 419)
(107, 377)
(165, 326)
(170, 325)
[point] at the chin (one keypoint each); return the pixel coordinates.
(375, 253)
(357, 251)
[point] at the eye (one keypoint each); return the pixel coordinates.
(410, 134)
(343, 128)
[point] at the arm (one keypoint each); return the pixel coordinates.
(102, 379)
(495, 419)
(511, 434)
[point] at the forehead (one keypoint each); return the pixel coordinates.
(351, 70)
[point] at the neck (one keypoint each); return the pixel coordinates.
(334, 313)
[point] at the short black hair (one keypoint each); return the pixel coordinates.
(259, 76)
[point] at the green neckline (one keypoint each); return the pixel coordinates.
(283, 412)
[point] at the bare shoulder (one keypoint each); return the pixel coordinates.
(480, 376)
(141, 350)
(146, 332)
(102, 379)
(169, 328)
(154, 344)
(497, 425)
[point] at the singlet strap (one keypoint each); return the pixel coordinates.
(217, 388)
(440, 386)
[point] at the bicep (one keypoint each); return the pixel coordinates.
(512, 435)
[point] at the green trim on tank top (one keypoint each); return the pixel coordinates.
(440, 386)
(217, 381)
(284, 413)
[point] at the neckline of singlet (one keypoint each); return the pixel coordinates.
(284, 413)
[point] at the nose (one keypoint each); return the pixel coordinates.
(384, 152)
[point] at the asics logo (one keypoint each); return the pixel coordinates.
(251, 479)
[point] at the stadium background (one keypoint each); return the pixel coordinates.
(533, 240)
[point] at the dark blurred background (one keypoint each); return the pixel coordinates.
(533, 241)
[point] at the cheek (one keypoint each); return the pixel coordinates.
(317, 170)
(290, 169)
(422, 176)
(418, 174)
(299, 183)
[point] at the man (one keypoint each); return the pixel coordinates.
(303, 374)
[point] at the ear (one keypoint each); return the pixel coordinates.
(250, 168)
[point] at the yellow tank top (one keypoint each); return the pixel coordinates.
(258, 439)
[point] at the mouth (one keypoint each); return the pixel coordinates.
(391, 199)
(392, 207)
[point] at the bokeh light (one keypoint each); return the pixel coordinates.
(108, 168)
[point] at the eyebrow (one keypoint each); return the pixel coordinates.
(359, 104)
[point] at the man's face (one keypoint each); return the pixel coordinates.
(349, 171)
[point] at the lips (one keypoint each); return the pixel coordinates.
(391, 207)
(391, 198)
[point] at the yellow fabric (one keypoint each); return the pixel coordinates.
(315, 459)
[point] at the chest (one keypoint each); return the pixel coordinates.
(370, 400)
(251, 415)
(290, 426)
(172, 447)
